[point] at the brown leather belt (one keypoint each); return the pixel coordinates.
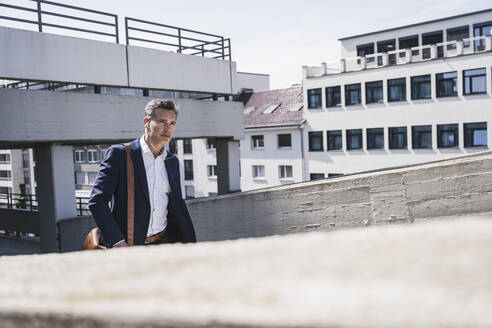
(155, 237)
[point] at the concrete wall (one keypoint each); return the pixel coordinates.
(42, 116)
(451, 187)
(28, 55)
(257, 82)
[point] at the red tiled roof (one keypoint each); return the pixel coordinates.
(287, 98)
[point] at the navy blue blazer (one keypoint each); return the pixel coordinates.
(112, 181)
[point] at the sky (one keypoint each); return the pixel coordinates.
(278, 37)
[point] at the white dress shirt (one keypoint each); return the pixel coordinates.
(159, 188)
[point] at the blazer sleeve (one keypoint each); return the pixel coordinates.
(104, 187)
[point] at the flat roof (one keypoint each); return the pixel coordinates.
(412, 25)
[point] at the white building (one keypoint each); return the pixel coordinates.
(400, 96)
(271, 152)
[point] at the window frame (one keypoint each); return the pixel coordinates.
(80, 151)
(290, 140)
(188, 171)
(96, 156)
(315, 134)
(418, 136)
(283, 171)
(394, 133)
(441, 80)
(371, 134)
(351, 133)
(212, 171)
(258, 169)
(320, 176)
(413, 83)
(368, 86)
(187, 146)
(406, 39)
(332, 91)
(471, 81)
(316, 92)
(349, 90)
(470, 143)
(455, 131)
(361, 48)
(256, 140)
(404, 89)
(330, 134)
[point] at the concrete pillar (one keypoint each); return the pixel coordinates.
(408, 55)
(228, 179)
(56, 191)
(433, 51)
(363, 62)
(304, 72)
(459, 47)
(488, 43)
(343, 65)
(324, 68)
(385, 59)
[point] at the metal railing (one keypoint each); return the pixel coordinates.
(178, 39)
(16, 201)
(44, 15)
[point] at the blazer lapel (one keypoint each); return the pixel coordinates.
(171, 172)
(138, 163)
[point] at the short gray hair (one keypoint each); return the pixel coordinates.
(160, 103)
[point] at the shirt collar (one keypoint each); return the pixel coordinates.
(144, 146)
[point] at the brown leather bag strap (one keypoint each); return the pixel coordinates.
(131, 199)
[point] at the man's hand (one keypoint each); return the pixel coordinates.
(120, 244)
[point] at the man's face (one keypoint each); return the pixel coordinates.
(161, 126)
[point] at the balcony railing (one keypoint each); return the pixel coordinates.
(29, 202)
(422, 53)
(61, 17)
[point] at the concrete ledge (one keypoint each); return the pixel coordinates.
(423, 275)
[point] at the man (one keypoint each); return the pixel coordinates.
(160, 213)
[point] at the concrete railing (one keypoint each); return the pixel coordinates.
(444, 188)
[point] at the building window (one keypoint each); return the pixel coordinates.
(456, 34)
(211, 143)
(447, 135)
(92, 155)
(80, 178)
(474, 81)
(315, 140)
(398, 137)
(285, 171)
(365, 49)
(475, 134)
(80, 156)
(446, 84)
(316, 176)
(481, 30)
(188, 166)
(314, 98)
(5, 159)
(187, 147)
(375, 138)
(352, 94)
(270, 109)
(257, 142)
(91, 176)
(421, 87)
(212, 171)
(103, 152)
(429, 39)
(334, 139)
(409, 42)
(384, 47)
(354, 139)
(189, 192)
(422, 136)
(284, 140)
(397, 89)
(5, 175)
(258, 171)
(374, 92)
(333, 97)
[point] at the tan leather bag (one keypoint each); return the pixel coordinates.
(91, 242)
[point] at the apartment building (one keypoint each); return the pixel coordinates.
(400, 96)
(271, 152)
